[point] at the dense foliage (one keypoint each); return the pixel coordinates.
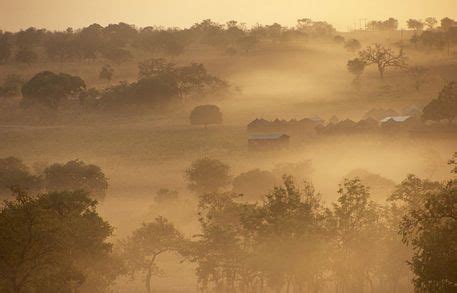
(54, 242)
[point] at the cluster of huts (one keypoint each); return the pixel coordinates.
(275, 134)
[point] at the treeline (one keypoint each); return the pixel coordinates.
(160, 85)
(118, 42)
(431, 37)
(41, 177)
(290, 241)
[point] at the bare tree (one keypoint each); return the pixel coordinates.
(430, 22)
(383, 57)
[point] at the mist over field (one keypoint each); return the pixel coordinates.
(229, 156)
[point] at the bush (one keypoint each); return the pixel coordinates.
(14, 174)
(48, 89)
(76, 175)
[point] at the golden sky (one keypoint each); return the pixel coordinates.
(60, 14)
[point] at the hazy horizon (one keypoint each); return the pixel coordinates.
(58, 15)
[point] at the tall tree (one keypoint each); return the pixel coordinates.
(146, 244)
(52, 243)
(415, 24)
(357, 226)
(430, 22)
(382, 57)
(429, 226)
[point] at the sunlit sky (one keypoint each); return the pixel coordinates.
(343, 14)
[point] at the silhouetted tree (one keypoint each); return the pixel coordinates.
(339, 39)
(443, 107)
(141, 250)
(76, 175)
(26, 56)
(429, 226)
(254, 184)
(5, 48)
(116, 55)
(386, 25)
(447, 23)
(48, 89)
(430, 22)
(352, 45)
(54, 242)
(358, 227)
(415, 25)
(382, 57)
(207, 175)
(11, 85)
(61, 46)
(419, 74)
(356, 67)
(205, 115)
(106, 73)
(155, 67)
(15, 174)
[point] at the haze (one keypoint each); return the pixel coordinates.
(228, 147)
(56, 14)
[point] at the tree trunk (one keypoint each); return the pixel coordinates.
(148, 280)
(381, 72)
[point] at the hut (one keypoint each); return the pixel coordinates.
(268, 142)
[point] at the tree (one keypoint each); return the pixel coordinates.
(415, 24)
(430, 22)
(429, 226)
(165, 195)
(61, 46)
(280, 243)
(5, 48)
(11, 85)
(443, 107)
(141, 249)
(254, 184)
(116, 55)
(207, 175)
(379, 186)
(30, 38)
(76, 175)
(205, 114)
(382, 57)
(247, 43)
(352, 45)
(447, 23)
(48, 89)
(15, 174)
(339, 39)
(154, 67)
(419, 74)
(53, 242)
(106, 73)
(26, 56)
(453, 163)
(390, 24)
(356, 67)
(358, 227)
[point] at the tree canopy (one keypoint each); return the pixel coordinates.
(49, 89)
(54, 242)
(444, 106)
(205, 115)
(207, 175)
